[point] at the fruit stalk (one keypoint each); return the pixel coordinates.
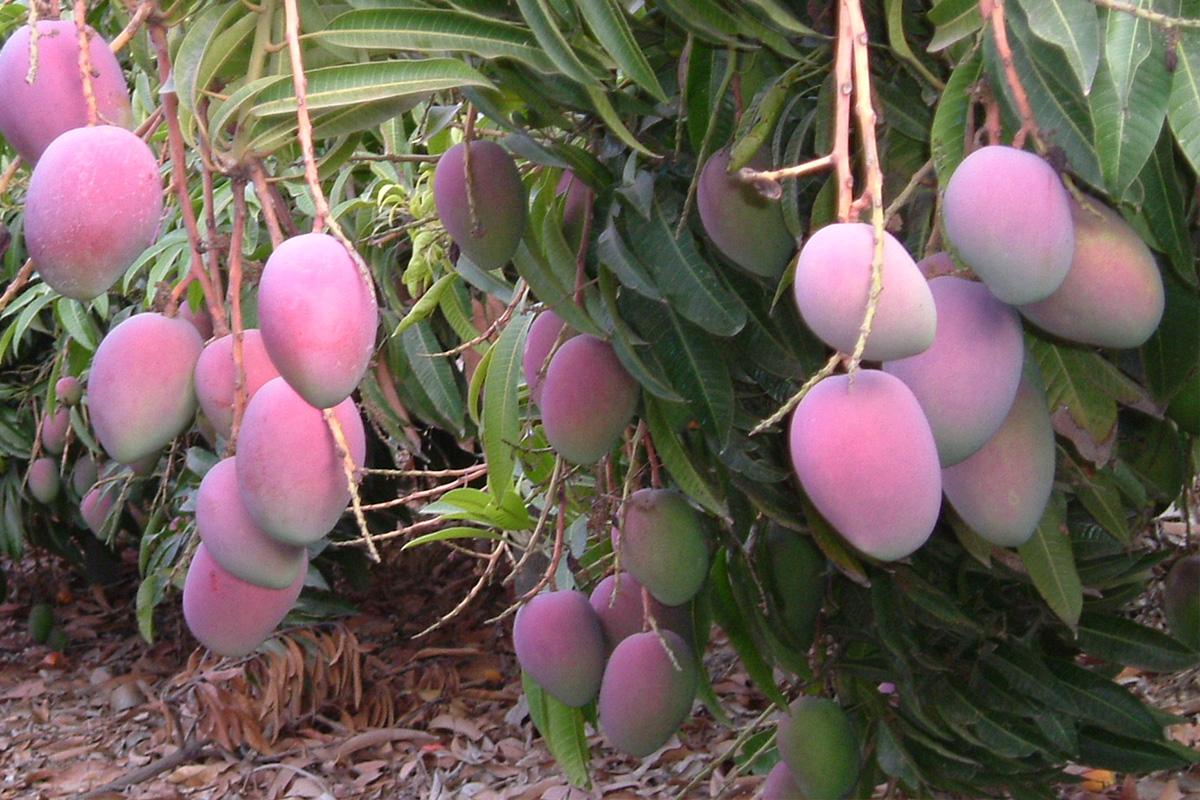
(267, 202)
(158, 36)
(235, 307)
(130, 30)
(17, 284)
(349, 468)
(85, 61)
(993, 12)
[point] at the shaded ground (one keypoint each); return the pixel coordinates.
(356, 709)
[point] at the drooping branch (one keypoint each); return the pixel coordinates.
(158, 36)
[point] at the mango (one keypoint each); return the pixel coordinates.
(34, 115)
(587, 400)
(232, 538)
(865, 455)
(819, 748)
(746, 227)
(94, 204)
(216, 374)
(643, 697)
(54, 430)
(623, 616)
(140, 390)
(500, 213)
(1113, 294)
(579, 196)
(96, 505)
(543, 333)
(83, 476)
(1001, 491)
(559, 643)
(966, 381)
(43, 480)
(317, 318)
(663, 544)
(1008, 216)
(289, 474)
(228, 615)
(833, 281)
(68, 390)
(780, 785)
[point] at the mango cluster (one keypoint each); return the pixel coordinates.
(955, 407)
(604, 649)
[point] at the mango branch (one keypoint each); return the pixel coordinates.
(349, 469)
(85, 61)
(18, 283)
(235, 307)
(993, 13)
(873, 195)
(158, 36)
(267, 202)
(130, 30)
(1153, 17)
(324, 218)
(9, 173)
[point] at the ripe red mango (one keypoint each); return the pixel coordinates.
(215, 376)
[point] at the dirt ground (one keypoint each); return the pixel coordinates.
(355, 709)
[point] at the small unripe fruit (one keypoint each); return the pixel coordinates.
(94, 203)
(41, 620)
(579, 197)
(68, 390)
(228, 615)
(232, 538)
(819, 747)
(1008, 216)
(587, 399)
(745, 226)
(663, 544)
(43, 480)
(1113, 294)
(865, 456)
(97, 504)
(140, 391)
(54, 431)
(35, 114)
(83, 477)
(643, 697)
(290, 476)
(216, 375)
(317, 318)
(558, 641)
(833, 283)
(966, 381)
(489, 240)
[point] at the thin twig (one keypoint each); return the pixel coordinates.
(746, 733)
(259, 176)
(424, 494)
(192, 750)
(211, 254)
(350, 469)
(18, 283)
(747, 175)
(552, 489)
(158, 35)
(866, 118)
(471, 595)
(398, 158)
(1153, 17)
(993, 12)
(9, 172)
(907, 192)
(398, 533)
(135, 23)
(795, 399)
(34, 35)
(648, 621)
(491, 329)
(843, 80)
(235, 307)
(85, 61)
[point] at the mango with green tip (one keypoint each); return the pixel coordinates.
(1181, 600)
(646, 693)
(43, 480)
(624, 615)
(559, 643)
(216, 375)
(491, 237)
(745, 226)
(587, 399)
(819, 748)
(664, 544)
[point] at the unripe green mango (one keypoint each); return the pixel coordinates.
(663, 544)
(819, 747)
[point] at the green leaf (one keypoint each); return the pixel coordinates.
(729, 617)
(1023, 670)
(149, 594)
(354, 84)
(501, 429)
(200, 36)
(434, 375)
(948, 136)
(425, 306)
(1072, 25)
(455, 532)
(1170, 357)
(780, 16)
(1126, 642)
(1129, 100)
(540, 19)
(693, 364)
(1183, 109)
(704, 18)
(562, 728)
(608, 23)
(631, 349)
(548, 285)
(899, 42)
(1051, 564)
(1104, 702)
(1165, 209)
(1106, 750)
(435, 31)
(695, 290)
(609, 114)
(954, 20)
(78, 323)
(677, 461)
(1070, 374)
(1100, 495)
(616, 255)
